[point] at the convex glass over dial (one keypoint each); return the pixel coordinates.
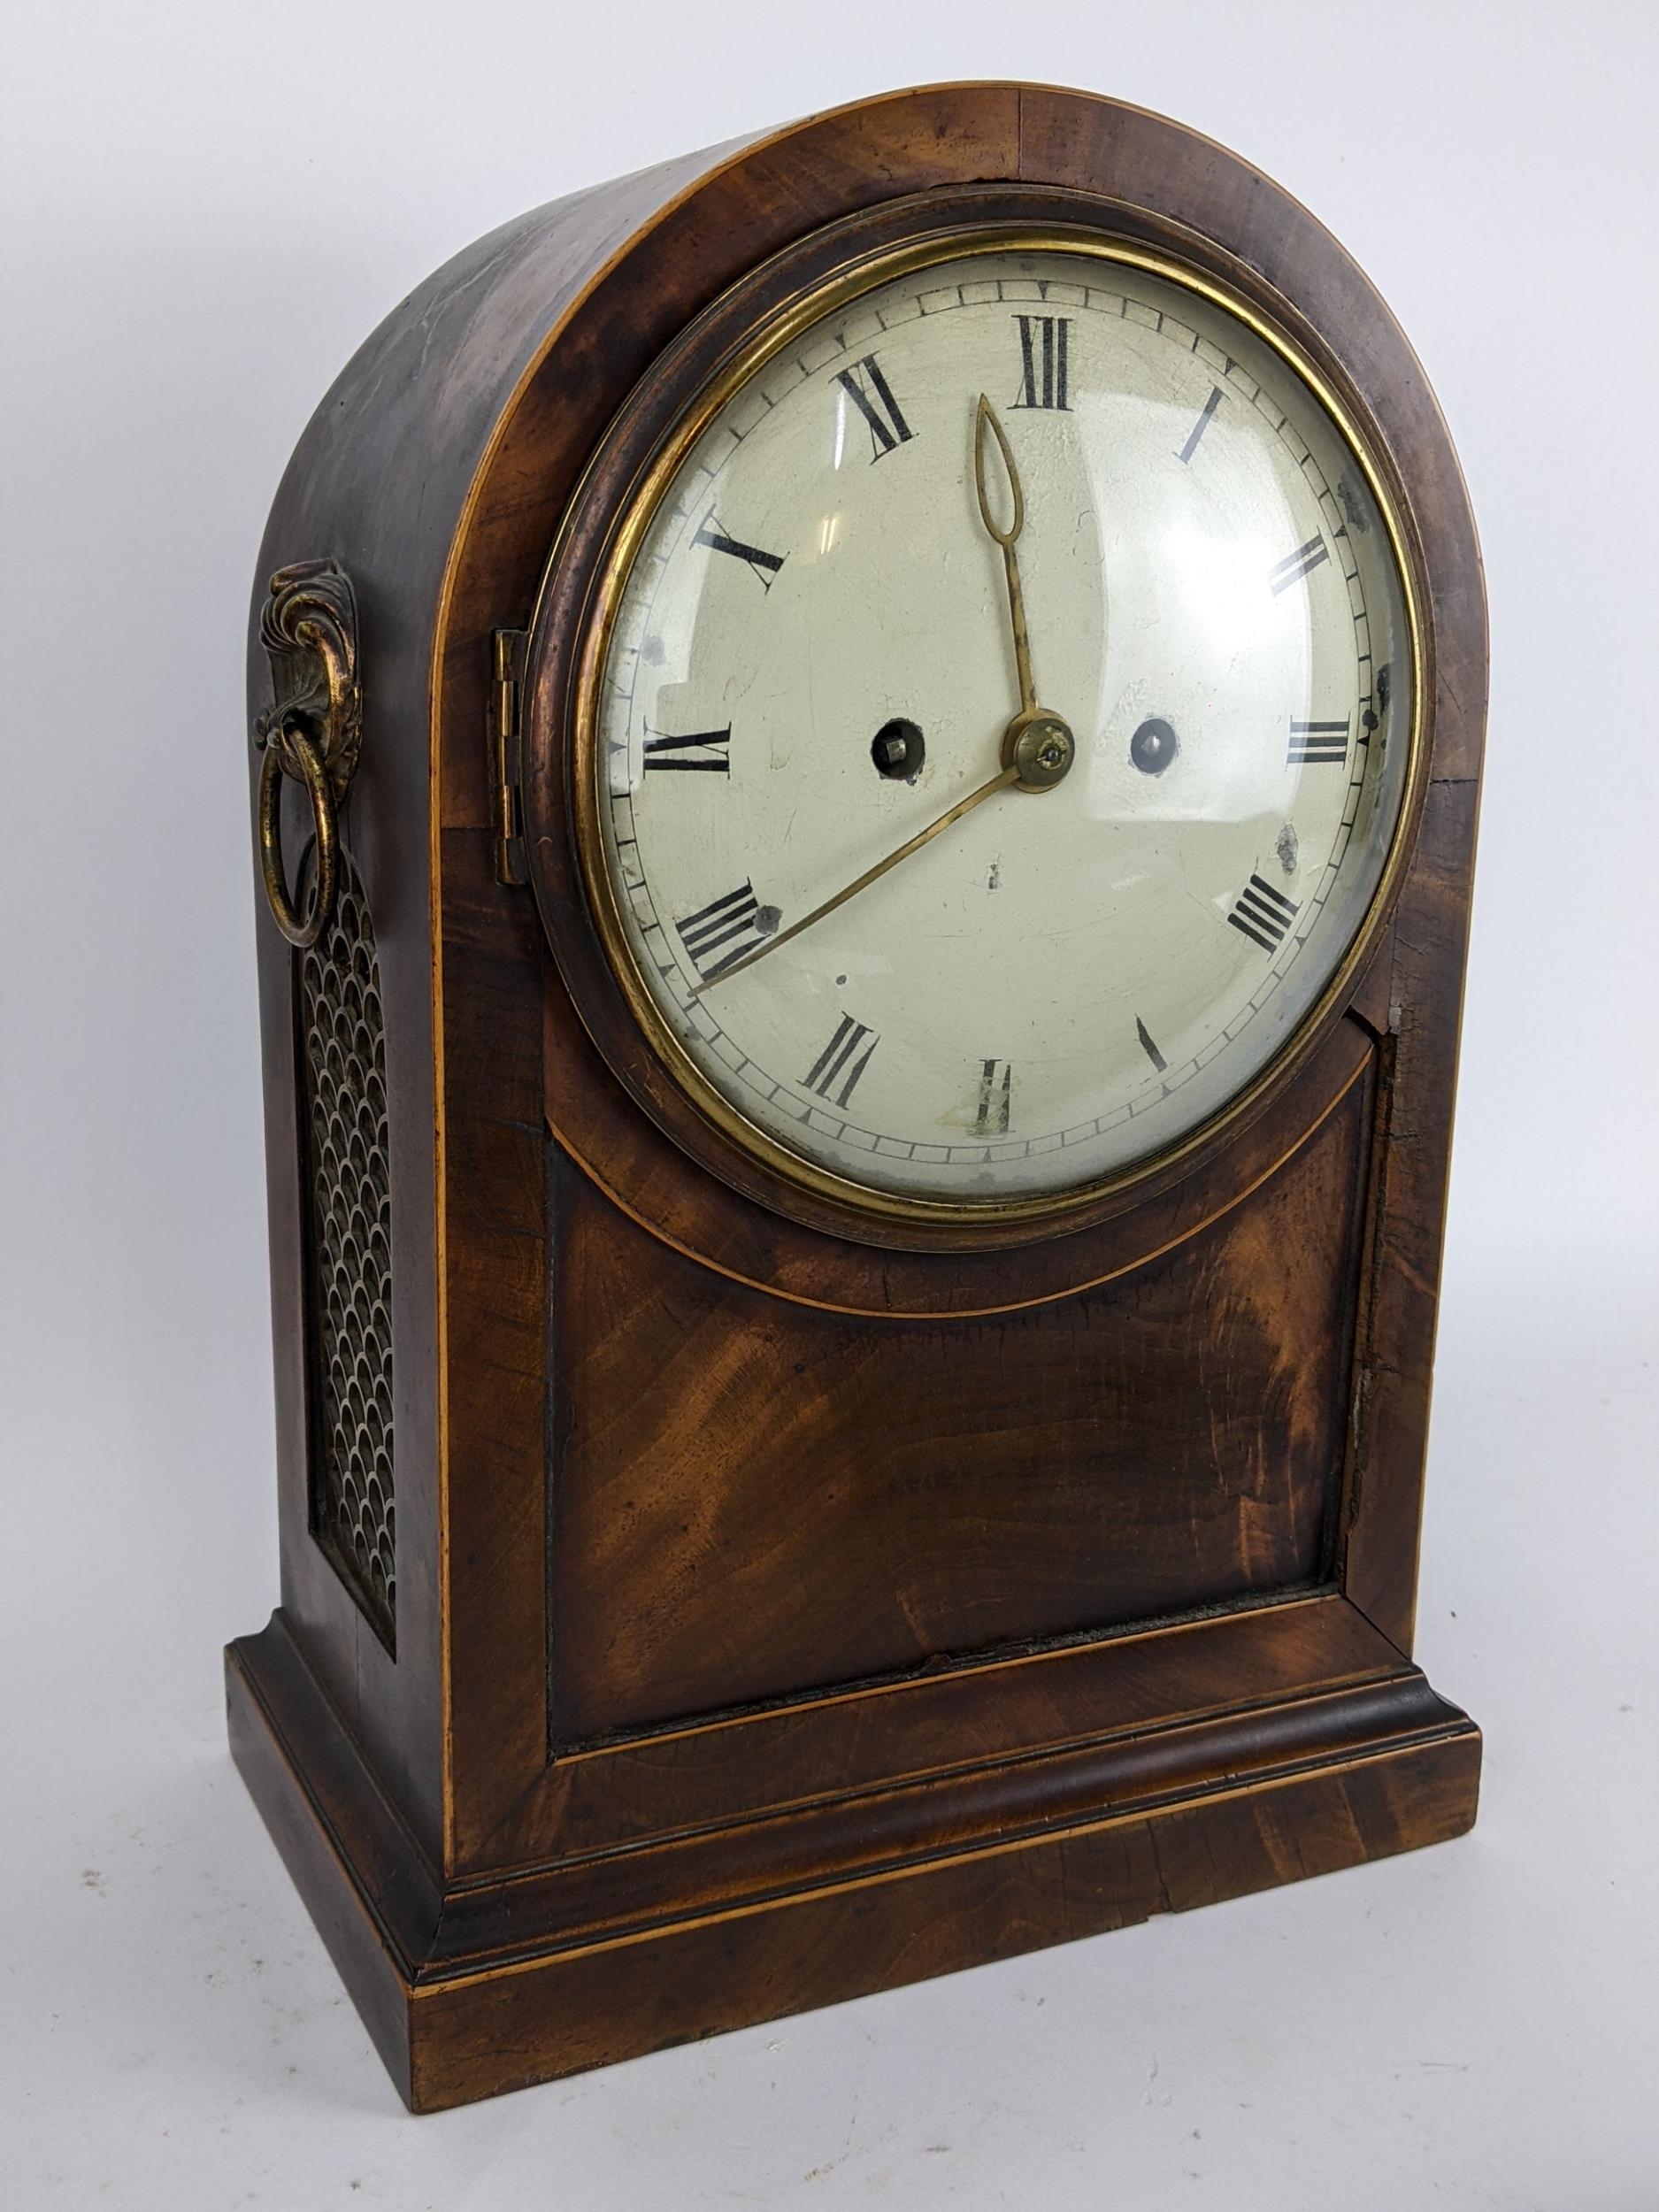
(1002, 726)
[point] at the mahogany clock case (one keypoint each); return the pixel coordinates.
(745, 1612)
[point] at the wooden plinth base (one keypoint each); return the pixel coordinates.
(513, 1977)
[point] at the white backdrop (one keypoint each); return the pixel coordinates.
(208, 207)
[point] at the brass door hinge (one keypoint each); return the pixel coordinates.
(506, 746)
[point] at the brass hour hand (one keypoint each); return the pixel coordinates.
(1037, 747)
(987, 429)
(1036, 742)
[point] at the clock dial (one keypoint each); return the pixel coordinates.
(1003, 726)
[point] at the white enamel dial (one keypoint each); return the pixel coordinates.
(811, 659)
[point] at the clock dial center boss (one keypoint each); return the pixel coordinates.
(909, 984)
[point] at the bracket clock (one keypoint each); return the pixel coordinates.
(865, 750)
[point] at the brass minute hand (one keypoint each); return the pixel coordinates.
(999, 783)
(986, 419)
(1037, 747)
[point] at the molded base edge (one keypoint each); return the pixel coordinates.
(1303, 1787)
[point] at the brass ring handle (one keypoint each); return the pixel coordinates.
(309, 627)
(302, 931)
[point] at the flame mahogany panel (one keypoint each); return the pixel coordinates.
(751, 1499)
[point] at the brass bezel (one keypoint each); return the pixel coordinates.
(634, 515)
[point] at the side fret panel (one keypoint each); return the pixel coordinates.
(343, 1059)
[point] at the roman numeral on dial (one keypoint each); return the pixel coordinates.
(705, 750)
(1263, 915)
(1295, 566)
(836, 1070)
(996, 1098)
(722, 932)
(765, 565)
(1206, 417)
(1148, 1046)
(1312, 742)
(877, 404)
(1042, 351)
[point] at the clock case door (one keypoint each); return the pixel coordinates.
(781, 1613)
